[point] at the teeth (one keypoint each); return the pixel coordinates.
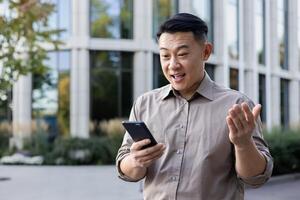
(177, 77)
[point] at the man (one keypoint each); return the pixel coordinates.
(209, 136)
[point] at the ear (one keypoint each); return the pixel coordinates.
(207, 50)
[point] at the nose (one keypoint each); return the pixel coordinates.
(174, 64)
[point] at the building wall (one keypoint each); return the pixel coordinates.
(228, 69)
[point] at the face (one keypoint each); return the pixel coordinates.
(182, 59)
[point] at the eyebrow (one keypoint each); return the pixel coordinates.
(183, 46)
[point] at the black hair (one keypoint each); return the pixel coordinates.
(184, 22)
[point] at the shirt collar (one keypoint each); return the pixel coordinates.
(205, 89)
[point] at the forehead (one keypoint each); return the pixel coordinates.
(175, 40)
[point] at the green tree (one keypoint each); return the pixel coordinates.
(24, 37)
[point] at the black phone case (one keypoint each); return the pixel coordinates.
(139, 131)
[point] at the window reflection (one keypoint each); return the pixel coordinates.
(282, 36)
(61, 18)
(204, 9)
(298, 14)
(284, 103)
(260, 31)
(51, 96)
(159, 79)
(5, 108)
(111, 19)
(162, 10)
(210, 69)
(234, 79)
(111, 82)
(262, 97)
(232, 29)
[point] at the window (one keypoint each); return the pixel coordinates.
(111, 19)
(111, 82)
(51, 94)
(159, 79)
(260, 30)
(282, 34)
(204, 9)
(234, 79)
(5, 109)
(162, 10)
(232, 29)
(298, 14)
(210, 69)
(262, 97)
(61, 18)
(284, 103)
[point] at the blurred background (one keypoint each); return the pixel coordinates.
(71, 113)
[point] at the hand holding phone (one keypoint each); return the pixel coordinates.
(139, 131)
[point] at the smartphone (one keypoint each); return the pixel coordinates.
(139, 131)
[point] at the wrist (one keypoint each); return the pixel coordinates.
(246, 145)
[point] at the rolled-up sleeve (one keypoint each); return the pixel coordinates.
(125, 147)
(260, 179)
(262, 146)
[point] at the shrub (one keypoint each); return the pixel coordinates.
(285, 149)
(74, 151)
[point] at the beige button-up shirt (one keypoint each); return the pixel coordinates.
(199, 161)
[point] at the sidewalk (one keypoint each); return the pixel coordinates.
(101, 182)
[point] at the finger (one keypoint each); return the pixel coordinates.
(247, 112)
(241, 115)
(236, 120)
(152, 156)
(149, 161)
(150, 150)
(139, 145)
(256, 111)
(231, 125)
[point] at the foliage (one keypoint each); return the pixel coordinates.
(24, 35)
(74, 151)
(285, 150)
(63, 115)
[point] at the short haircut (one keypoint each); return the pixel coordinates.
(184, 22)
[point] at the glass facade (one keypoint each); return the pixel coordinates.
(282, 34)
(234, 79)
(232, 24)
(51, 94)
(5, 109)
(260, 30)
(204, 9)
(111, 19)
(159, 79)
(262, 97)
(162, 10)
(61, 18)
(210, 69)
(111, 85)
(284, 103)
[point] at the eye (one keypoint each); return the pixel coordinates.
(182, 54)
(165, 56)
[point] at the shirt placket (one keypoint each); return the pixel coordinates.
(181, 127)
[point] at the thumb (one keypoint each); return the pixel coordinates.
(256, 111)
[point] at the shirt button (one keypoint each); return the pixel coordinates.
(178, 151)
(173, 178)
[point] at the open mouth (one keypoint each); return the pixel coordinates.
(178, 77)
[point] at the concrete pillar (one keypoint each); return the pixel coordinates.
(275, 101)
(21, 109)
(293, 58)
(220, 44)
(250, 58)
(80, 89)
